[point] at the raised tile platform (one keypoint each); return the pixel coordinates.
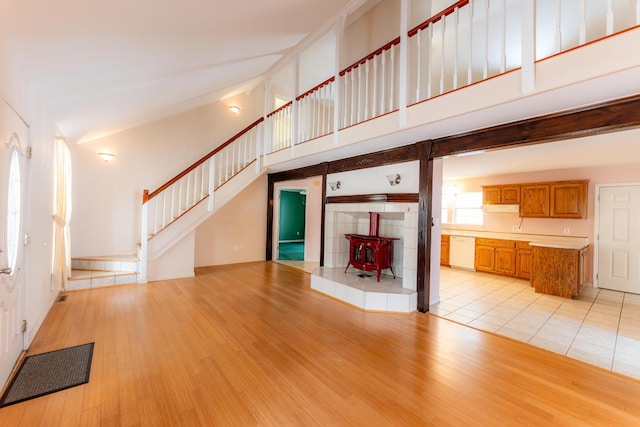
(95, 272)
(361, 289)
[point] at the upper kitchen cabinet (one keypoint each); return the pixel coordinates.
(568, 199)
(561, 199)
(501, 195)
(534, 202)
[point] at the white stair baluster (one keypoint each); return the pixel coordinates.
(610, 17)
(418, 37)
(392, 73)
(503, 53)
(456, 52)
(212, 182)
(443, 29)
(582, 37)
(429, 60)
(470, 68)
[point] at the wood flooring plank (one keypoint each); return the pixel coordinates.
(252, 344)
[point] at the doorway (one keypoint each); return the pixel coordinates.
(292, 225)
(618, 245)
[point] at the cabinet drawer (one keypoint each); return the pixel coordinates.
(523, 245)
(497, 243)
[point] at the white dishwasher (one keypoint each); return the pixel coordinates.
(462, 252)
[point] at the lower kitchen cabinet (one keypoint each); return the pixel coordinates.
(524, 260)
(495, 256)
(559, 271)
(485, 259)
(509, 257)
(444, 249)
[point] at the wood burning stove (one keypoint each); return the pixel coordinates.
(371, 253)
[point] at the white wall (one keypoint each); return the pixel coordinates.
(107, 196)
(374, 180)
(238, 231)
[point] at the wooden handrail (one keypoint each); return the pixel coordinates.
(438, 16)
(371, 55)
(313, 89)
(288, 104)
(146, 196)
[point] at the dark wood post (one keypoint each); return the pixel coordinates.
(425, 218)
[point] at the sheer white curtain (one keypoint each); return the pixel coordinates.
(61, 269)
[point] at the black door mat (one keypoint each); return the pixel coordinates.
(46, 373)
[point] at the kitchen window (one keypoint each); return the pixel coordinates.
(461, 208)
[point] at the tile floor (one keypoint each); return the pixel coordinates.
(600, 327)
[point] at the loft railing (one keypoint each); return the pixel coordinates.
(468, 42)
(199, 181)
(279, 129)
(370, 86)
(316, 111)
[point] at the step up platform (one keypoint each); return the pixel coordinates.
(96, 272)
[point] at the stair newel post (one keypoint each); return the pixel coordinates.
(212, 182)
(144, 236)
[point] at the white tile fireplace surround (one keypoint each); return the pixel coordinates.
(399, 220)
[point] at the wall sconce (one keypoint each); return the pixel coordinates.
(107, 157)
(334, 185)
(234, 109)
(394, 179)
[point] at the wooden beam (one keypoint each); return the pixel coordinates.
(591, 120)
(395, 155)
(376, 198)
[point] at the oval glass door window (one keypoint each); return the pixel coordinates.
(13, 211)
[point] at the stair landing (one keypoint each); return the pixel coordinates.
(96, 272)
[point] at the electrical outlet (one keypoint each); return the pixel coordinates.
(566, 230)
(516, 228)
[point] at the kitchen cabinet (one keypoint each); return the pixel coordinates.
(534, 201)
(523, 260)
(568, 199)
(495, 256)
(559, 271)
(444, 249)
(501, 195)
(559, 199)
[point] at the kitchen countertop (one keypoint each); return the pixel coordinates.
(562, 242)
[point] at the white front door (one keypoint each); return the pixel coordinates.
(619, 238)
(14, 135)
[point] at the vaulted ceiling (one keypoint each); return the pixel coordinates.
(98, 64)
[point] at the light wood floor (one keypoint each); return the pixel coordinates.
(251, 344)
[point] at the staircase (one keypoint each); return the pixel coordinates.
(97, 272)
(171, 214)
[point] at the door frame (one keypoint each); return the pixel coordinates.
(276, 218)
(596, 225)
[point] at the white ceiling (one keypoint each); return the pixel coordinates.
(101, 64)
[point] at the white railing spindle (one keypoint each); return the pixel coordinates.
(582, 36)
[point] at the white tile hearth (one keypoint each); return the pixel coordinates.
(362, 290)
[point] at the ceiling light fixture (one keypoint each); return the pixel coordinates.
(234, 109)
(107, 157)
